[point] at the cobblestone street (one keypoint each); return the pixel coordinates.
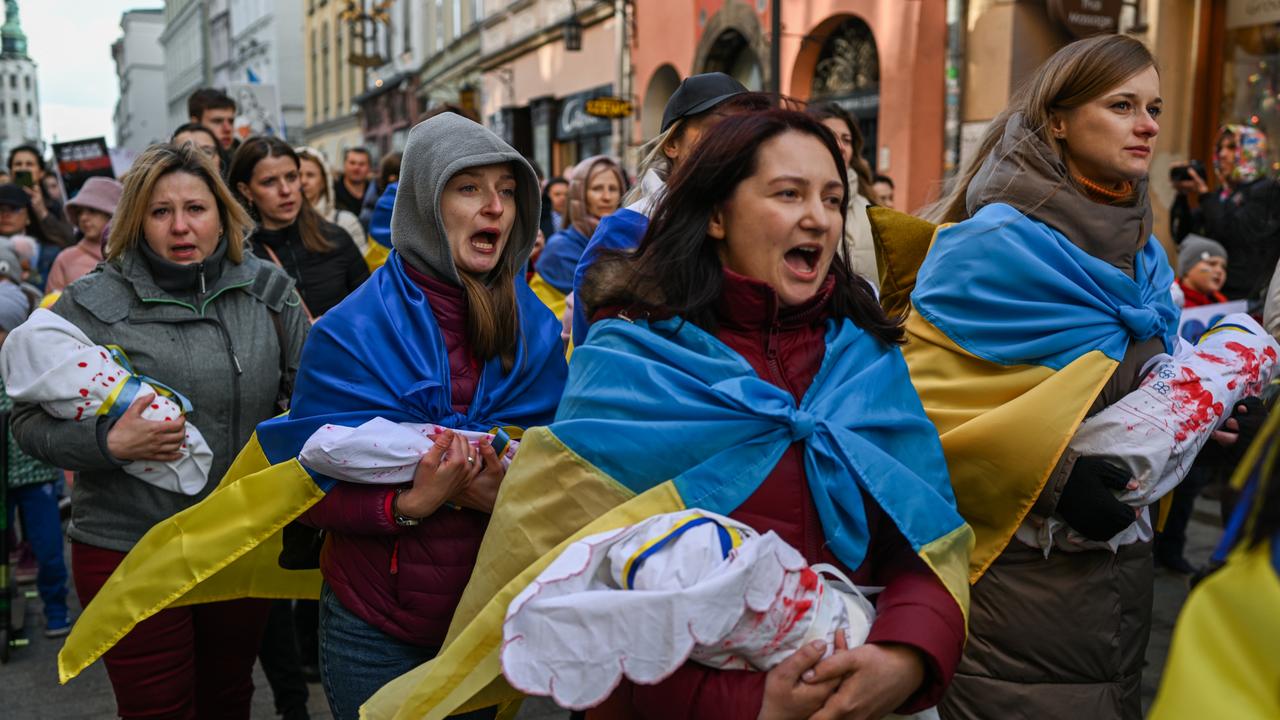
(31, 690)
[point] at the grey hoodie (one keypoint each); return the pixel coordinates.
(437, 150)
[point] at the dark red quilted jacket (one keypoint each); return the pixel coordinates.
(785, 346)
(405, 581)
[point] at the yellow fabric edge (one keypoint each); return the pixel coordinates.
(948, 557)
(375, 256)
(548, 294)
(1223, 661)
(166, 539)
(983, 416)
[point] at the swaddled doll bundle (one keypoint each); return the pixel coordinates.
(1157, 431)
(382, 452)
(642, 600)
(49, 361)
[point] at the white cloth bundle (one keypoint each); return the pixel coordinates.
(381, 452)
(49, 361)
(641, 600)
(1157, 430)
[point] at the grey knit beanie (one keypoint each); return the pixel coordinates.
(1195, 248)
(15, 306)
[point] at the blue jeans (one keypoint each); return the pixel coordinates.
(42, 527)
(357, 659)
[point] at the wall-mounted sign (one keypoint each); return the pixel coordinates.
(1247, 13)
(1083, 18)
(575, 122)
(609, 107)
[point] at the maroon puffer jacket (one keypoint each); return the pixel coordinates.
(785, 346)
(405, 581)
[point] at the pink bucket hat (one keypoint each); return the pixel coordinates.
(98, 193)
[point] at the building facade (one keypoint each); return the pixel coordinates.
(186, 65)
(141, 113)
(400, 38)
(266, 50)
(535, 88)
(331, 81)
(882, 60)
(218, 13)
(19, 88)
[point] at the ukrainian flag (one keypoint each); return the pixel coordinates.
(1012, 333)
(1223, 663)
(375, 256)
(660, 417)
(377, 354)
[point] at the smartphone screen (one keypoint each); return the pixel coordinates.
(23, 178)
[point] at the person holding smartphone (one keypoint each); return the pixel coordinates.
(46, 218)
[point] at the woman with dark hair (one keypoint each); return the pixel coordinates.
(858, 245)
(697, 105)
(555, 205)
(204, 140)
(738, 315)
(320, 256)
(46, 220)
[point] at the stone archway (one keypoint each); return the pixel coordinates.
(840, 63)
(662, 84)
(733, 42)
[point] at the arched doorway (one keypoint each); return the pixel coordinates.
(732, 54)
(847, 73)
(664, 82)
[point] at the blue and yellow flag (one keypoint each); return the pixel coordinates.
(1223, 662)
(377, 354)
(1013, 334)
(662, 417)
(375, 256)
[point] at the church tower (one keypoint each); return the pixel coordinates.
(19, 91)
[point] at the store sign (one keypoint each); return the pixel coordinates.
(609, 107)
(575, 122)
(1083, 18)
(1247, 13)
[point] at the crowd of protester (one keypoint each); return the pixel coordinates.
(747, 316)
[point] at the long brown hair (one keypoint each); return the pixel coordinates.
(1077, 74)
(139, 183)
(677, 268)
(246, 159)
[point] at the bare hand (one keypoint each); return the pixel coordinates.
(136, 438)
(481, 492)
(37, 202)
(874, 680)
(786, 696)
(442, 473)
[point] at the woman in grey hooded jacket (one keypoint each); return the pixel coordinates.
(190, 308)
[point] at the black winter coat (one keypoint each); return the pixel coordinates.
(1247, 223)
(323, 278)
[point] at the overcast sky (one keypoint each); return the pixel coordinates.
(70, 40)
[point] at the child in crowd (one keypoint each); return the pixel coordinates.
(32, 483)
(1202, 270)
(89, 211)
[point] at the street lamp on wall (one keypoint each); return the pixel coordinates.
(573, 30)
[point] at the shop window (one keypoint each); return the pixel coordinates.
(1251, 83)
(732, 54)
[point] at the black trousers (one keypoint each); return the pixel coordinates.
(282, 663)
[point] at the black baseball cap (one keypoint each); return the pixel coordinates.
(13, 196)
(698, 94)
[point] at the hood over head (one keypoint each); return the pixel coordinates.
(1023, 172)
(579, 216)
(438, 149)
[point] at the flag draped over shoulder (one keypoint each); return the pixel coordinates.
(377, 354)
(1223, 661)
(1013, 334)
(661, 417)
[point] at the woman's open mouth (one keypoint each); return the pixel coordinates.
(802, 261)
(183, 251)
(485, 241)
